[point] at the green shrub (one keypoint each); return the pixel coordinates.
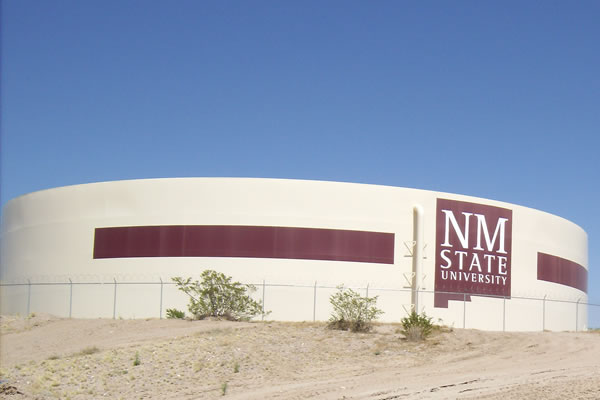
(352, 312)
(416, 327)
(217, 296)
(174, 313)
(137, 361)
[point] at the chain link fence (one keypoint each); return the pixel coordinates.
(117, 298)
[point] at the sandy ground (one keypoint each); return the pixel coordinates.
(47, 357)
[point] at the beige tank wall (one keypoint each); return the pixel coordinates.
(48, 236)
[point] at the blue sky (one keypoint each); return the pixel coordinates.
(498, 99)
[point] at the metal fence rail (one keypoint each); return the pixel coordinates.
(59, 298)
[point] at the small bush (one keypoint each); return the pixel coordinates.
(416, 327)
(217, 296)
(352, 312)
(137, 361)
(174, 313)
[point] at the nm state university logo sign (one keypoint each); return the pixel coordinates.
(473, 249)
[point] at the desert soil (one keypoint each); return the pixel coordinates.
(47, 357)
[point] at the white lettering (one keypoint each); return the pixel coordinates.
(489, 259)
(502, 265)
(462, 237)
(445, 257)
(461, 257)
(500, 230)
(473, 277)
(475, 263)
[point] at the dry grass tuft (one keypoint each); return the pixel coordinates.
(87, 351)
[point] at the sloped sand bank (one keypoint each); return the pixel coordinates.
(48, 357)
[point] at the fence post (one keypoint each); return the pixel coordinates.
(367, 290)
(262, 317)
(115, 300)
(315, 302)
(464, 309)
(70, 297)
(161, 298)
(577, 314)
(544, 313)
(28, 295)
(504, 314)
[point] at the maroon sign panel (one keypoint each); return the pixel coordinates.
(244, 241)
(562, 271)
(473, 250)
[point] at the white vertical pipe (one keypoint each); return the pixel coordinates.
(417, 259)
